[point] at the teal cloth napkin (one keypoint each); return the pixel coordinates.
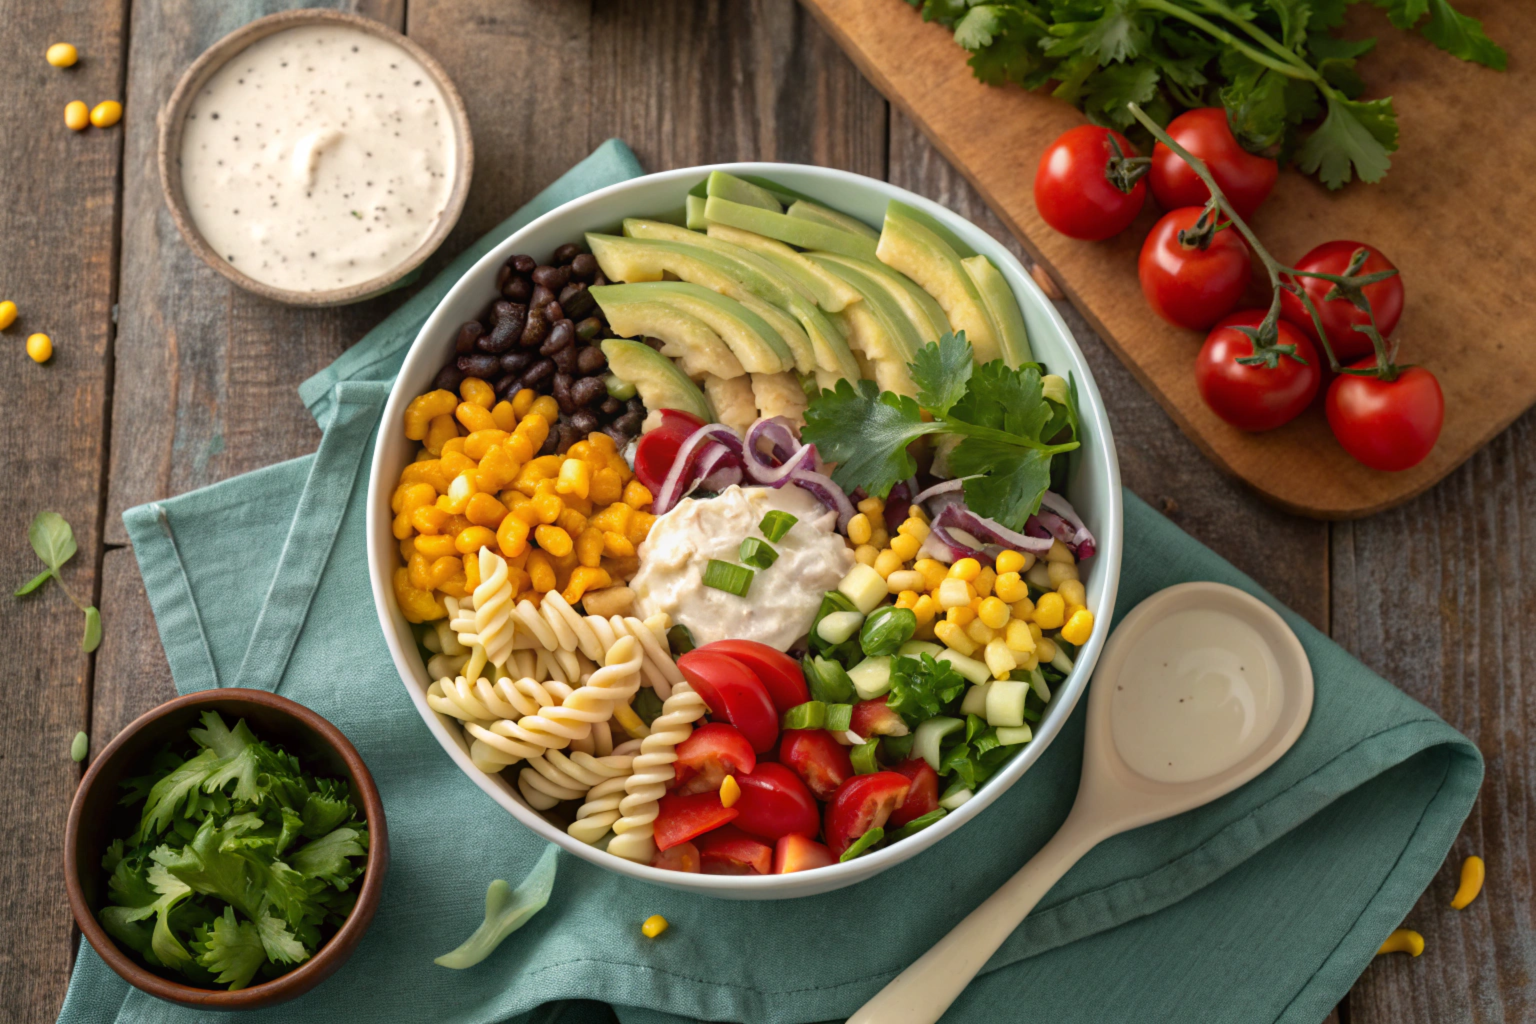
(1264, 906)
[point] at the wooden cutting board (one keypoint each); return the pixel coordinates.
(1457, 214)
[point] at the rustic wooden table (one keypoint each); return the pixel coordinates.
(166, 378)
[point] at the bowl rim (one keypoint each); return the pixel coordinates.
(833, 876)
(172, 120)
(327, 959)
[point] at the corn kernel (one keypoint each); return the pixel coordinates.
(865, 554)
(906, 599)
(1045, 649)
(955, 592)
(962, 616)
(407, 549)
(541, 575)
(653, 926)
(905, 546)
(39, 347)
(915, 528)
(547, 508)
(993, 612)
(436, 546)
(429, 519)
(1059, 553)
(639, 526)
(416, 605)
(1018, 637)
(953, 637)
(106, 113)
(410, 497)
(1050, 612)
(512, 536)
(61, 55)
(545, 406)
(1000, 659)
(575, 478)
(607, 486)
(456, 500)
(484, 510)
(475, 390)
(616, 545)
(637, 495)
(1023, 609)
(554, 540)
(473, 539)
(966, 569)
(916, 512)
(859, 530)
(474, 416)
(1078, 628)
(481, 441)
(984, 581)
(614, 518)
(1010, 561)
(980, 632)
(7, 314)
(926, 609)
(1010, 587)
(584, 578)
(77, 117)
(523, 401)
(872, 507)
(1035, 631)
(441, 430)
(934, 572)
(505, 418)
(1039, 576)
(887, 562)
(630, 722)
(571, 521)
(497, 469)
(730, 791)
(589, 547)
(426, 408)
(878, 537)
(1072, 592)
(472, 570)
(905, 580)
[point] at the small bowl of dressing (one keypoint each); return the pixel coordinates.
(315, 157)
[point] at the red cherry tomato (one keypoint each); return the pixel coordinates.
(681, 817)
(1255, 397)
(730, 851)
(821, 762)
(1389, 425)
(778, 671)
(1244, 178)
(1192, 287)
(924, 794)
(710, 753)
(774, 802)
(682, 857)
(797, 853)
(658, 449)
(1073, 188)
(862, 803)
(873, 718)
(1340, 316)
(734, 693)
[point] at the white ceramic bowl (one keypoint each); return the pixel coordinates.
(1094, 490)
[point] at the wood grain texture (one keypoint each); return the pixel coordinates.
(1466, 302)
(58, 213)
(1440, 597)
(132, 674)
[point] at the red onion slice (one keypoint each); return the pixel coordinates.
(940, 488)
(990, 531)
(779, 434)
(777, 476)
(1082, 541)
(681, 475)
(826, 492)
(720, 479)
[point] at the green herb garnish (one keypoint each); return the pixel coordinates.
(864, 842)
(922, 687)
(54, 543)
(886, 629)
(863, 757)
(733, 579)
(829, 683)
(916, 825)
(776, 524)
(810, 715)
(680, 639)
(758, 553)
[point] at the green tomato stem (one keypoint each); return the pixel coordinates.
(1285, 67)
(1257, 34)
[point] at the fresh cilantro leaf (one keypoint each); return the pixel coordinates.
(1120, 32)
(324, 811)
(281, 945)
(167, 794)
(941, 369)
(945, 12)
(326, 858)
(921, 687)
(52, 539)
(980, 26)
(1294, 16)
(866, 432)
(1005, 482)
(1106, 92)
(232, 950)
(1355, 138)
(1005, 399)
(1328, 14)
(1462, 36)
(1403, 13)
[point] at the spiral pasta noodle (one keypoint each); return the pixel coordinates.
(651, 771)
(482, 700)
(554, 626)
(556, 776)
(448, 655)
(493, 627)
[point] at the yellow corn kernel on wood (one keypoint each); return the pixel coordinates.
(1472, 873)
(1404, 940)
(7, 314)
(77, 116)
(106, 113)
(62, 55)
(40, 348)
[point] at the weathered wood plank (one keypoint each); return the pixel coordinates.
(1440, 597)
(132, 675)
(58, 218)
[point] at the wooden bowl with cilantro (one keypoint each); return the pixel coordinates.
(227, 850)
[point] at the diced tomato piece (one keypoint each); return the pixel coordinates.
(682, 857)
(683, 816)
(658, 449)
(734, 693)
(874, 718)
(797, 853)
(862, 803)
(821, 762)
(730, 851)
(778, 671)
(710, 753)
(774, 802)
(924, 794)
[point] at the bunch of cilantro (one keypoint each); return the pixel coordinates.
(242, 864)
(1277, 66)
(1008, 430)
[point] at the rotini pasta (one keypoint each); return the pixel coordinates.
(556, 776)
(553, 625)
(448, 655)
(485, 701)
(650, 773)
(493, 608)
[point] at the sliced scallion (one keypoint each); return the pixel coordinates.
(916, 825)
(733, 579)
(863, 757)
(810, 715)
(864, 842)
(758, 553)
(776, 524)
(839, 717)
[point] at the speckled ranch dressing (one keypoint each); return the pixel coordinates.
(317, 158)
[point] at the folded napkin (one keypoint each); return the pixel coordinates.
(1264, 906)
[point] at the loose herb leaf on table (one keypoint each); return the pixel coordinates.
(54, 543)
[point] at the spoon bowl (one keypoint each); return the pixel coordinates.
(1200, 689)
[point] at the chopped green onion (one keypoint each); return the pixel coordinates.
(776, 524)
(897, 748)
(863, 757)
(733, 579)
(828, 681)
(839, 716)
(810, 715)
(916, 825)
(757, 553)
(680, 639)
(864, 842)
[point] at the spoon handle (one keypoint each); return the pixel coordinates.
(921, 993)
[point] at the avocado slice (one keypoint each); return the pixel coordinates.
(739, 190)
(827, 290)
(806, 234)
(1012, 335)
(807, 210)
(919, 308)
(918, 252)
(833, 356)
(658, 380)
(776, 286)
(756, 345)
(933, 224)
(875, 348)
(903, 333)
(633, 310)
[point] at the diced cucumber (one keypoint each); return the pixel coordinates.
(864, 587)
(1038, 684)
(975, 701)
(976, 671)
(1061, 663)
(871, 677)
(1005, 702)
(810, 715)
(956, 799)
(918, 648)
(930, 734)
(1008, 735)
(839, 626)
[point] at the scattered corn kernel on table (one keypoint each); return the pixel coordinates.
(165, 377)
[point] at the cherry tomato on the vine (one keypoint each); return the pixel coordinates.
(1339, 316)
(1186, 285)
(1245, 179)
(1388, 425)
(1255, 397)
(1076, 189)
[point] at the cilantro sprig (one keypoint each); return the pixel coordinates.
(1277, 66)
(1009, 429)
(54, 542)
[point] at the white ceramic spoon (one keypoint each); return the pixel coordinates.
(1200, 689)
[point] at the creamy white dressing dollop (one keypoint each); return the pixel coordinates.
(317, 158)
(1198, 693)
(779, 607)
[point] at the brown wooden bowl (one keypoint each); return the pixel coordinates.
(173, 118)
(95, 818)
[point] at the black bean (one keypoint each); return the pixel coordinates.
(538, 372)
(516, 361)
(509, 319)
(479, 364)
(635, 405)
(598, 280)
(566, 253)
(553, 278)
(551, 442)
(569, 435)
(518, 288)
(561, 389)
(589, 328)
(611, 406)
(565, 359)
(562, 334)
(588, 390)
(629, 423)
(536, 330)
(502, 273)
(554, 311)
(468, 334)
(577, 300)
(449, 378)
(507, 386)
(584, 422)
(590, 359)
(541, 297)
(584, 266)
(523, 264)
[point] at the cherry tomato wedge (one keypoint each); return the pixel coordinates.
(683, 816)
(924, 794)
(682, 857)
(1244, 178)
(1339, 315)
(734, 693)
(1074, 190)
(730, 851)
(873, 718)
(710, 753)
(1388, 425)
(797, 853)
(658, 449)
(1255, 397)
(1186, 285)
(862, 803)
(776, 670)
(774, 802)
(821, 762)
